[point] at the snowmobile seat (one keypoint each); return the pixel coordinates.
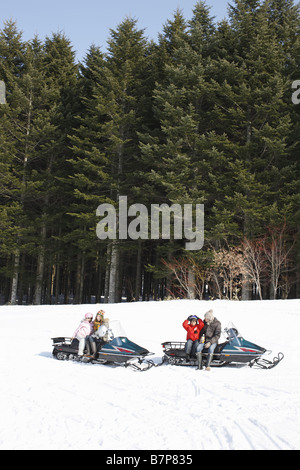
(99, 343)
(75, 343)
(59, 339)
(220, 347)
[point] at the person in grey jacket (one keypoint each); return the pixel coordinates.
(212, 331)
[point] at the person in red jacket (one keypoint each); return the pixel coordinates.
(193, 325)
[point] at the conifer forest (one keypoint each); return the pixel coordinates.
(209, 113)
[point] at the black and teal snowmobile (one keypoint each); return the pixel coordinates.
(118, 350)
(234, 350)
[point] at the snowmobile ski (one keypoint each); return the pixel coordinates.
(263, 363)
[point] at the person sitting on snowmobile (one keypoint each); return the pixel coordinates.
(211, 334)
(103, 332)
(84, 329)
(98, 320)
(90, 340)
(193, 325)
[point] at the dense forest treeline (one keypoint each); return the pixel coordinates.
(204, 115)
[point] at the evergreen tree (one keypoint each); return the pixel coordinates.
(30, 126)
(117, 106)
(14, 136)
(256, 115)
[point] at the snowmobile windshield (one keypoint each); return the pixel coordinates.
(116, 329)
(233, 333)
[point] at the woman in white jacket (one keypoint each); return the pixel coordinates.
(104, 332)
(84, 329)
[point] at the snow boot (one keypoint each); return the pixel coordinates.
(199, 360)
(209, 359)
(88, 353)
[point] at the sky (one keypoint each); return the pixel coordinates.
(87, 22)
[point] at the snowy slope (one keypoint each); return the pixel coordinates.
(50, 404)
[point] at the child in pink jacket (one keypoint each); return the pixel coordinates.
(84, 329)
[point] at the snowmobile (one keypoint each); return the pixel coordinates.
(118, 350)
(234, 350)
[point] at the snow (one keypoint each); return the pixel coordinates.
(59, 405)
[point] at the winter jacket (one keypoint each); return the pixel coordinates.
(104, 333)
(97, 325)
(193, 332)
(212, 331)
(84, 329)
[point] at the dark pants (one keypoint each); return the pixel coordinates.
(90, 344)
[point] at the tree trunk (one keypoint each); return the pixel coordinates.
(138, 278)
(191, 283)
(79, 278)
(113, 275)
(14, 285)
(40, 268)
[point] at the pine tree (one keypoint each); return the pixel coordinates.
(116, 107)
(258, 122)
(253, 105)
(188, 156)
(61, 76)
(12, 50)
(33, 141)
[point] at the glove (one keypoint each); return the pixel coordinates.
(207, 345)
(192, 317)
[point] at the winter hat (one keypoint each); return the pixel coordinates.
(209, 316)
(88, 315)
(193, 317)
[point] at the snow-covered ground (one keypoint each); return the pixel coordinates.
(50, 404)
